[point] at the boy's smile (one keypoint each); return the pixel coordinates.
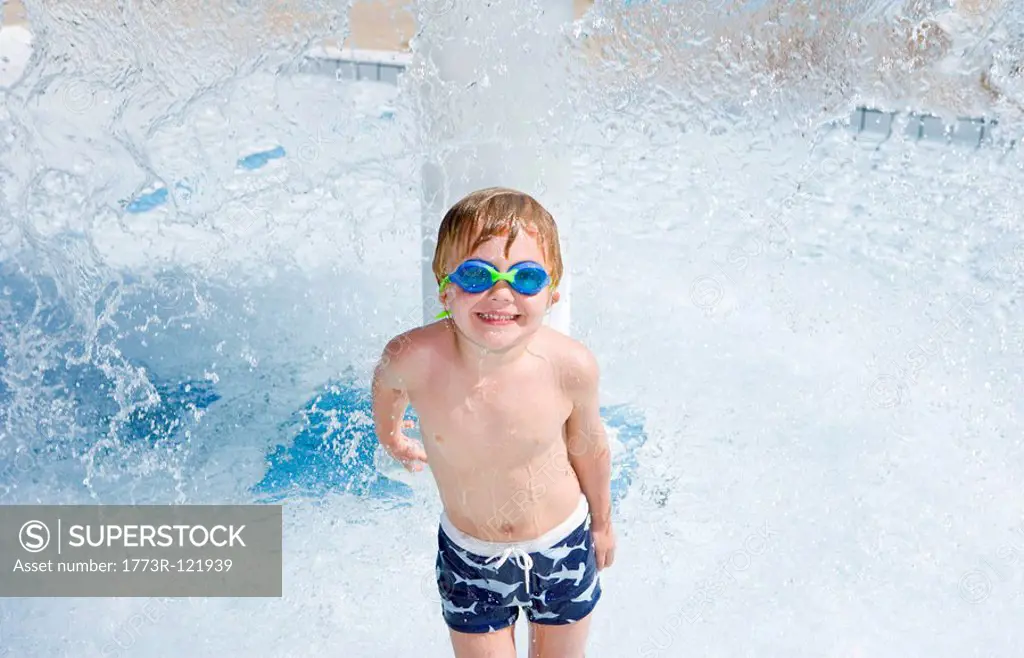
(498, 319)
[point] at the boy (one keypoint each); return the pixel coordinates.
(511, 430)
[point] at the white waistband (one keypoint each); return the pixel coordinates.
(545, 541)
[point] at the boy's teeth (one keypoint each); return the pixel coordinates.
(493, 316)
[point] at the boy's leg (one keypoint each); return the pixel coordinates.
(497, 644)
(479, 612)
(566, 587)
(559, 641)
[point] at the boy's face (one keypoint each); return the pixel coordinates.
(499, 317)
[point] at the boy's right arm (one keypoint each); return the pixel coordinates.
(391, 398)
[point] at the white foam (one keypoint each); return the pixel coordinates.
(15, 52)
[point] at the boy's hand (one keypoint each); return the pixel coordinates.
(408, 451)
(604, 545)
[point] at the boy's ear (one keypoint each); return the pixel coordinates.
(555, 296)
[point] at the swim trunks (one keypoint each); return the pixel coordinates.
(483, 584)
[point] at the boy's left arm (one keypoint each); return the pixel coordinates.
(589, 453)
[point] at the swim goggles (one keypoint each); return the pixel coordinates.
(475, 276)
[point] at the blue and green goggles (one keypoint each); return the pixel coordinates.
(476, 276)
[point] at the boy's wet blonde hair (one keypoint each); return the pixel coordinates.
(491, 212)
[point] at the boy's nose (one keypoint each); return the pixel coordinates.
(502, 291)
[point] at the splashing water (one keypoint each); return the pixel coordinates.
(203, 249)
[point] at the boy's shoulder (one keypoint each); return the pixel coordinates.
(576, 364)
(410, 354)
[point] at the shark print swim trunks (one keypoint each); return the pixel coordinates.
(483, 584)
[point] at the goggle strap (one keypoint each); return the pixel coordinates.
(440, 290)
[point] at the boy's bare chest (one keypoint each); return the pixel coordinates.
(495, 411)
